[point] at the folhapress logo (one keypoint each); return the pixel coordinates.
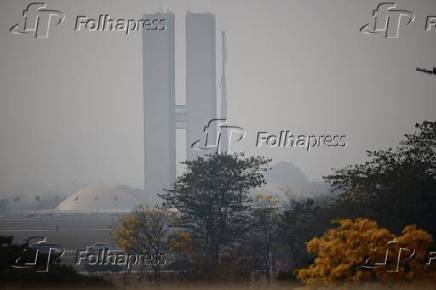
(38, 20)
(388, 20)
(218, 135)
(38, 255)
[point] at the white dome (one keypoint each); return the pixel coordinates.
(98, 199)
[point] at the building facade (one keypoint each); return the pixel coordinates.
(162, 117)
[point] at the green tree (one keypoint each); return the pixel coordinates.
(212, 196)
(301, 220)
(262, 234)
(396, 186)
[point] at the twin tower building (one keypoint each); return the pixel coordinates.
(162, 117)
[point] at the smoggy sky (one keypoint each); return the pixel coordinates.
(71, 105)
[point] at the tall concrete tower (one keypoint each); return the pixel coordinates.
(159, 106)
(161, 116)
(201, 90)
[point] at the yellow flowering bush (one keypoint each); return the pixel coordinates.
(360, 251)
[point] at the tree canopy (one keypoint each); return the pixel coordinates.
(396, 186)
(212, 196)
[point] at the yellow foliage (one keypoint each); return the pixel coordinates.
(341, 253)
(182, 242)
(124, 233)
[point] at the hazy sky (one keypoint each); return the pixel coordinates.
(71, 105)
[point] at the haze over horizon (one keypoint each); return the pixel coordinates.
(71, 105)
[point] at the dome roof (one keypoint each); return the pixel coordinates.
(98, 199)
